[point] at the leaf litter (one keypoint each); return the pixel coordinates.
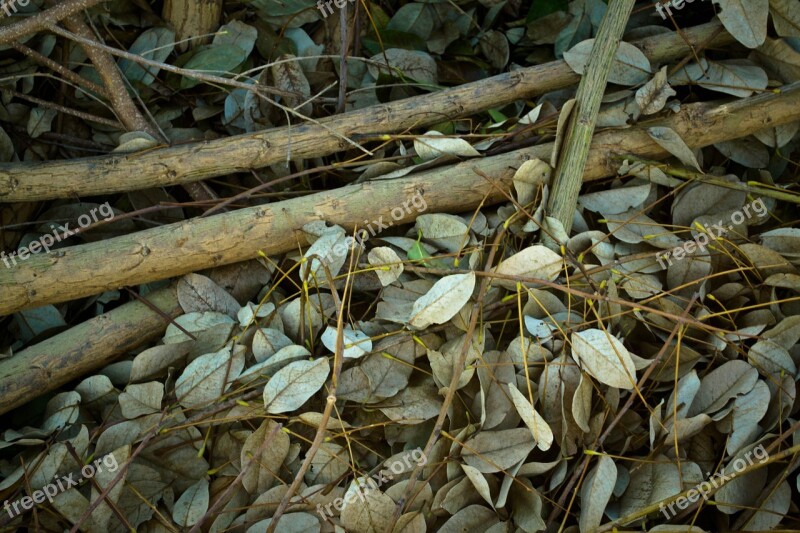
(583, 384)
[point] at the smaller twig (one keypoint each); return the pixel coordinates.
(343, 60)
(66, 110)
(44, 19)
(225, 496)
(96, 485)
(572, 161)
(107, 68)
(161, 313)
(338, 361)
(655, 507)
(457, 368)
(57, 67)
(653, 364)
(122, 472)
(691, 175)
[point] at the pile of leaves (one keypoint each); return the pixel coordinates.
(538, 379)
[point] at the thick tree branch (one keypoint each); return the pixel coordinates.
(176, 249)
(183, 164)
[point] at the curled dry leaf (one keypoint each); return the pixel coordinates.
(388, 265)
(541, 432)
(432, 145)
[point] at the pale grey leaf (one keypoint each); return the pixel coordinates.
(144, 399)
(733, 76)
(448, 232)
(654, 94)
(650, 482)
(771, 509)
(746, 20)
(779, 136)
(262, 474)
(294, 384)
(786, 18)
(746, 152)
(629, 67)
(615, 201)
(604, 357)
(441, 303)
(419, 66)
(540, 430)
(198, 293)
(771, 358)
(355, 343)
(535, 261)
(388, 265)
(721, 384)
(493, 451)
(433, 145)
(479, 482)
(366, 509)
(209, 376)
(748, 410)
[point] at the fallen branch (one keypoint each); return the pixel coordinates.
(183, 164)
(83, 348)
(192, 245)
(572, 160)
(106, 68)
(69, 355)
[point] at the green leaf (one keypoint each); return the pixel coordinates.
(413, 18)
(630, 65)
(213, 59)
(417, 252)
(238, 34)
(155, 44)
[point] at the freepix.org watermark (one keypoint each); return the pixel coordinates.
(715, 481)
(704, 238)
(326, 9)
(10, 8)
(46, 241)
(677, 4)
(360, 485)
(376, 226)
(59, 485)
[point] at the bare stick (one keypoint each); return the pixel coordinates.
(83, 348)
(44, 19)
(64, 71)
(572, 160)
(106, 67)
